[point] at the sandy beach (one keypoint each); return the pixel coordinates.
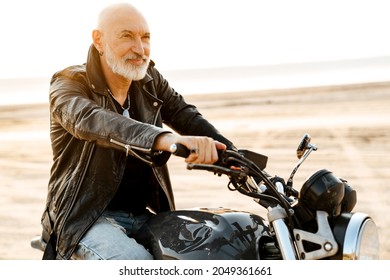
(349, 124)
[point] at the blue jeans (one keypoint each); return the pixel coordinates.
(110, 238)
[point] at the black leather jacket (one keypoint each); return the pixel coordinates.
(90, 143)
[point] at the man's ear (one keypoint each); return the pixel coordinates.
(97, 40)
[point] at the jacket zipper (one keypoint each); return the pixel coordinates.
(156, 174)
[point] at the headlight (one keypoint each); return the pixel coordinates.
(323, 191)
(358, 237)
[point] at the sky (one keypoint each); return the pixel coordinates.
(40, 37)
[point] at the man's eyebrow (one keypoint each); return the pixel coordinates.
(132, 32)
(125, 31)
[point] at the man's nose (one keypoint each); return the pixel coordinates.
(138, 47)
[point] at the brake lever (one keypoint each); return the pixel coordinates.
(219, 170)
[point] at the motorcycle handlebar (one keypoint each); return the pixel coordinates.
(182, 151)
(223, 166)
(179, 150)
(238, 176)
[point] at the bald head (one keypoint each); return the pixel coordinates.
(118, 13)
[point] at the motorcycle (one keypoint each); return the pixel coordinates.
(315, 223)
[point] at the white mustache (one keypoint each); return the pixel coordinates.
(134, 56)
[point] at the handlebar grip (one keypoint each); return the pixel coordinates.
(179, 150)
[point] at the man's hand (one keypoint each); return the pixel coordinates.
(203, 149)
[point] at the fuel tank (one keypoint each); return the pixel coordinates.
(204, 233)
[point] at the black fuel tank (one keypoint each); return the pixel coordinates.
(202, 234)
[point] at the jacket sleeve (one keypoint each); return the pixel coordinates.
(75, 112)
(182, 117)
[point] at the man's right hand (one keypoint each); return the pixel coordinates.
(203, 149)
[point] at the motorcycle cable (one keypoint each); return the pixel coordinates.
(227, 156)
(262, 197)
(233, 156)
(252, 167)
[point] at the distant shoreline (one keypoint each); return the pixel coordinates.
(233, 79)
(236, 95)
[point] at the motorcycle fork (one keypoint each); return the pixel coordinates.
(276, 216)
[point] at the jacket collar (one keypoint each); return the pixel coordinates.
(96, 79)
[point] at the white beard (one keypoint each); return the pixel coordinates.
(127, 70)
